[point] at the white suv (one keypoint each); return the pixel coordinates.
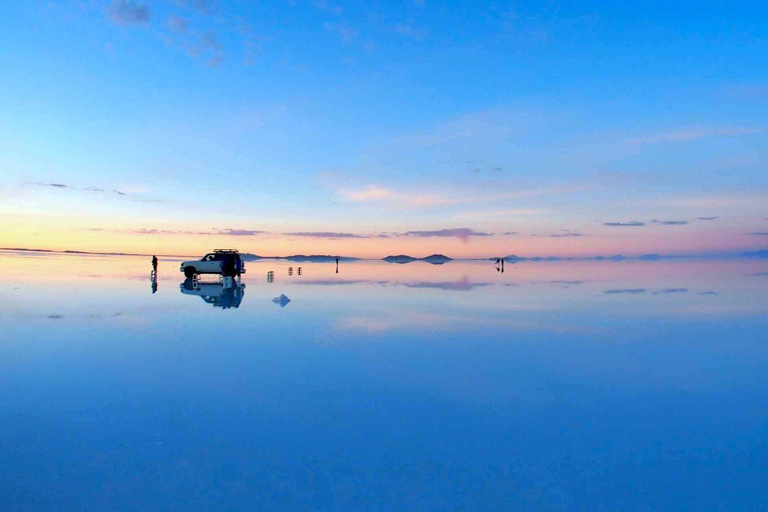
(221, 261)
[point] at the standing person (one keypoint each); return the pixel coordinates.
(337, 265)
(154, 263)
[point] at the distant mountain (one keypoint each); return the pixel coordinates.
(650, 257)
(435, 259)
(24, 250)
(400, 258)
(616, 257)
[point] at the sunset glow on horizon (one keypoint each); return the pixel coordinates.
(315, 128)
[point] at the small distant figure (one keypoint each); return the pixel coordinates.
(290, 271)
(270, 276)
(154, 263)
(298, 270)
(337, 265)
(502, 265)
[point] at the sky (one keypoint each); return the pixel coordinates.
(373, 128)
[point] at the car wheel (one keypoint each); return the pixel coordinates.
(190, 271)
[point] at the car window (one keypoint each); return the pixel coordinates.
(208, 257)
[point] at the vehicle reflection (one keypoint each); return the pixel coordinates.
(225, 293)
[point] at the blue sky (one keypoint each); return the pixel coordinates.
(354, 125)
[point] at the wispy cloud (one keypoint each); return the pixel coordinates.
(371, 193)
(629, 291)
(691, 133)
(99, 190)
(85, 189)
(707, 218)
(347, 32)
(214, 232)
(204, 6)
(496, 213)
(671, 290)
(147, 231)
(325, 234)
(177, 24)
(240, 232)
(324, 5)
(377, 193)
(708, 202)
(462, 234)
(127, 12)
(759, 233)
(409, 30)
(564, 235)
(54, 185)
(670, 222)
(632, 224)
(208, 47)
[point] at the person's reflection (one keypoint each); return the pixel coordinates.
(153, 280)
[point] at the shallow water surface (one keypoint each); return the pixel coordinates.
(552, 386)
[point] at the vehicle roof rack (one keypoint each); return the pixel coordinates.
(229, 251)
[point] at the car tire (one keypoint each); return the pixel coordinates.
(190, 272)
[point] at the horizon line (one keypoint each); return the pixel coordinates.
(615, 257)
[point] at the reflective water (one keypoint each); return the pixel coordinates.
(553, 386)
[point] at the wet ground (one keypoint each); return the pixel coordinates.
(553, 386)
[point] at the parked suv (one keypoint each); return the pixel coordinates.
(221, 261)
